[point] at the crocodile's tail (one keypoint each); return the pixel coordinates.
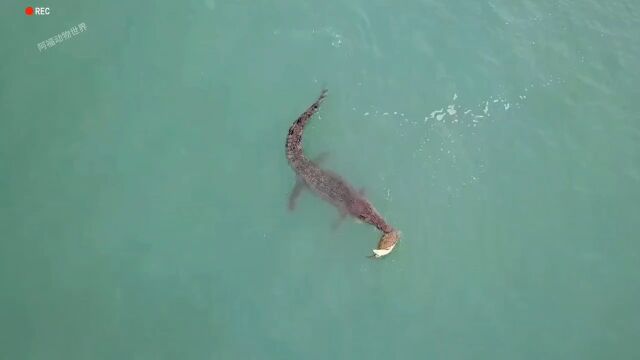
(294, 139)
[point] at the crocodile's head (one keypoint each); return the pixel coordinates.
(386, 244)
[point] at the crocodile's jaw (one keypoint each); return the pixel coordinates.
(386, 244)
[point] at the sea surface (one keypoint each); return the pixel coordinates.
(144, 186)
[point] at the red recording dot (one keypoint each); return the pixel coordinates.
(28, 11)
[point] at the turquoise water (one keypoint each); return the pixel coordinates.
(144, 184)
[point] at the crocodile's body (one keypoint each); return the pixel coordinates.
(330, 186)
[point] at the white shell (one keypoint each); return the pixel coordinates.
(383, 252)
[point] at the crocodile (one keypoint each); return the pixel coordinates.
(331, 187)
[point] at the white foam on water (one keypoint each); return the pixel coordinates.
(335, 37)
(388, 196)
(455, 113)
(454, 121)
